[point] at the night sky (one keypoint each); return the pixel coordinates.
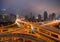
(24, 7)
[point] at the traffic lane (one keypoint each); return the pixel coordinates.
(51, 29)
(23, 36)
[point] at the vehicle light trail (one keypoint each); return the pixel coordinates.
(55, 21)
(18, 21)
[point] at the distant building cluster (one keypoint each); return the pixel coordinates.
(46, 17)
(5, 17)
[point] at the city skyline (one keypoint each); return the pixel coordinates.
(34, 6)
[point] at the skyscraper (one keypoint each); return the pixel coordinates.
(12, 17)
(58, 17)
(50, 16)
(45, 15)
(26, 17)
(1, 4)
(4, 15)
(31, 15)
(39, 17)
(53, 16)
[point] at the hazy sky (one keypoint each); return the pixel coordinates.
(35, 6)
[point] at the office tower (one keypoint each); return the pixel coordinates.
(39, 17)
(12, 17)
(50, 16)
(0, 18)
(26, 17)
(1, 4)
(53, 16)
(33, 18)
(4, 15)
(31, 15)
(58, 17)
(45, 16)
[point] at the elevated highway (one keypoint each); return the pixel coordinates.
(26, 30)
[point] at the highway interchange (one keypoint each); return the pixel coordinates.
(22, 30)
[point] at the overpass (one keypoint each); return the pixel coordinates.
(26, 31)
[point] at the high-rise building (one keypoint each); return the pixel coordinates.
(53, 16)
(1, 4)
(26, 17)
(39, 17)
(58, 17)
(50, 16)
(4, 15)
(12, 17)
(31, 16)
(1, 18)
(45, 16)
